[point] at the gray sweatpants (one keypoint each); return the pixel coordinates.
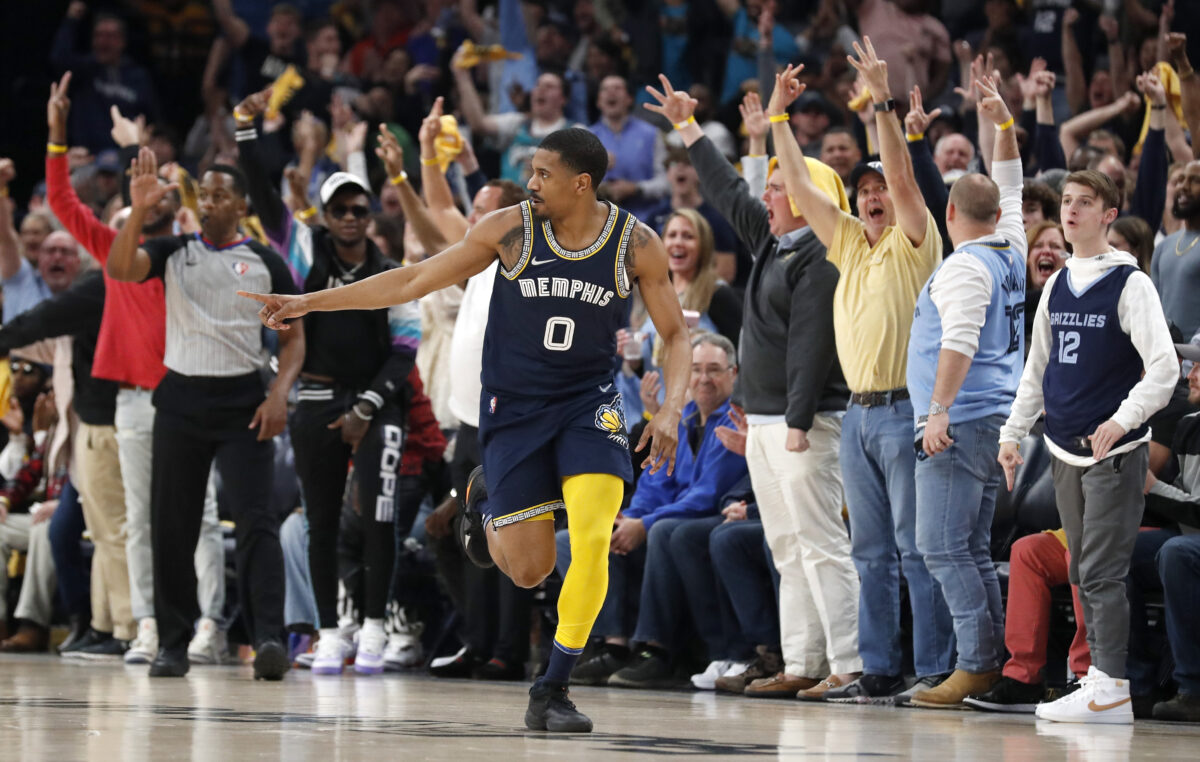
(1101, 508)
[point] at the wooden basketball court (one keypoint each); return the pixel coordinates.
(57, 711)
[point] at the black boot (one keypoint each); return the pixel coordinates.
(550, 709)
(170, 662)
(270, 660)
(79, 628)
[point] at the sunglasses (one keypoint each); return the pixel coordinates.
(359, 211)
(22, 367)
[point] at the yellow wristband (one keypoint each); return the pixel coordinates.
(307, 214)
(1006, 125)
(756, 156)
(429, 162)
(681, 125)
(241, 116)
(400, 178)
(646, 416)
(55, 149)
(914, 138)
(777, 118)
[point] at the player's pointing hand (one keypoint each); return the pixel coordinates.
(662, 433)
(278, 308)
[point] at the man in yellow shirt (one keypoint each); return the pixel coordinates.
(884, 255)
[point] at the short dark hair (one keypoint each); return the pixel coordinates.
(580, 150)
(1043, 195)
(314, 27)
(511, 194)
(1104, 134)
(1101, 183)
(103, 16)
(677, 155)
(235, 175)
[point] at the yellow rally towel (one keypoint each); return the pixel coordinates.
(473, 55)
(282, 91)
(1059, 535)
(449, 142)
(6, 388)
(824, 177)
(1170, 81)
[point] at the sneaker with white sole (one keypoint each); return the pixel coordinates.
(144, 647)
(372, 642)
(404, 640)
(1100, 700)
(209, 644)
(331, 653)
(707, 680)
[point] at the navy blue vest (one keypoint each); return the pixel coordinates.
(554, 317)
(1092, 365)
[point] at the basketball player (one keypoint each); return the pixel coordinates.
(1100, 365)
(551, 431)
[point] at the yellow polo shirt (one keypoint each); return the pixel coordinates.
(875, 298)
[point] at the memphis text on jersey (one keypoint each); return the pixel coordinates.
(567, 288)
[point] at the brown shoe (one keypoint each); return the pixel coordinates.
(765, 664)
(949, 694)
(30, 638)
(817, 692)
(781, 685)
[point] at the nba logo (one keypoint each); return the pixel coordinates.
(240, 268)
(492, 406)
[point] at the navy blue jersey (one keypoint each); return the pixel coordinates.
(1093, 364)
(552, 326)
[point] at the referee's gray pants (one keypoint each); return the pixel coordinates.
(1101, 507)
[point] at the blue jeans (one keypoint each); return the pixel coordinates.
(1146, 646)
(1179, 568)
(299, 603)
(73, 571)
(956, 499)
(663, 600)
(748, 586)
(618, 616)
(689, 548)
(878, 462)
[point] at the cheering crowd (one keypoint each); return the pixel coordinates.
(936, 258)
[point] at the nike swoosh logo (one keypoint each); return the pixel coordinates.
(1105, 707)
(606, 387)
(536, 262)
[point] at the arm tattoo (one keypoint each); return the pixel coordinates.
(511, 245)
(641, 239)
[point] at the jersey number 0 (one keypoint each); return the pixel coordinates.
(560, 333)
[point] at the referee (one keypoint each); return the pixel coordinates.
(211, 405)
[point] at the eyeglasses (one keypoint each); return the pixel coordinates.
(359, 211)
(22, 367)
(712, 371)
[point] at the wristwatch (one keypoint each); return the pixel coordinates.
(937, 408)
(884, 106)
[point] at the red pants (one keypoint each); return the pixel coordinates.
(1038, 563)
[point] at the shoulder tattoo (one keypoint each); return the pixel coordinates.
(642, 237)
(510, 246)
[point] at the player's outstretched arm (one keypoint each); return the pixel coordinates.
(648, 263)
(470, 256)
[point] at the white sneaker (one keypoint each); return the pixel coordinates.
(404, 641)
(329, 657)
(736, 668)
(1100, 699)
(371, 644)
(707, 680)
(209, 644)
(145, 646)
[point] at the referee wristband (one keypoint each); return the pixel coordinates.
(429, 162)
(685, 123)
(57, 149)
(1005, 125)
(777, 118)
(400, 178)
(914, 138)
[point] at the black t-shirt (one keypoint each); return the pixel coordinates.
(261, 67)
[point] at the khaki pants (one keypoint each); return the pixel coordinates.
(103, 497)
(800, 500)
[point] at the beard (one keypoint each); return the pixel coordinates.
(1185, 208)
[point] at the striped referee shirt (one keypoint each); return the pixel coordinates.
(211, 331)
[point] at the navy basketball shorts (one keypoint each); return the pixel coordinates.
(528, 445)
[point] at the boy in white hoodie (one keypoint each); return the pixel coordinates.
(1101, 363)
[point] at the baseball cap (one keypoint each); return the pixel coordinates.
(108, 161)
(1191, 350)
(862, 169)
(339, 180)
(811, 99)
